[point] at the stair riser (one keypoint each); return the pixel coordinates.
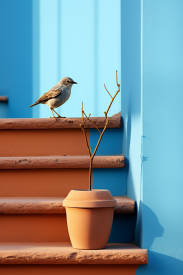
(33, 228)
(53, 228)
(42, 182)
(68, 269)
(54, 142)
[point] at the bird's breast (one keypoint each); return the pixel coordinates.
(60, 99)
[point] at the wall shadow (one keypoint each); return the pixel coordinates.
(152, 227)
(158, 263)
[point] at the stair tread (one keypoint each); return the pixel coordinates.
(27, 205)
(47, 123)
(63, 253)
(61, 162)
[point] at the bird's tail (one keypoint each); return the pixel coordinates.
(36, 103)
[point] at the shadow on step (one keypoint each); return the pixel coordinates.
(123, 228)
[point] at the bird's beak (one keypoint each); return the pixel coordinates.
(74, 82)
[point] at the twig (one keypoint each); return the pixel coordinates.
(101, 133)
(107, 90)
(100, 138)
(88, 119)
(83, 129)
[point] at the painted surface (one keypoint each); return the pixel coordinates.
(47, 40)
(162, 136)
(83, 42)
(152, 112)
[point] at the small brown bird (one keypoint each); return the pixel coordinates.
(57, 95)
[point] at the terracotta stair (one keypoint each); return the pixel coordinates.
(52, 205)
(41, 160)
(63, 253)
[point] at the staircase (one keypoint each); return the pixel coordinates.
(41, 160)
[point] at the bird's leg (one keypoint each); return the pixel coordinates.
(58, 114)
(52, 113)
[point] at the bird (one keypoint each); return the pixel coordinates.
(57, 95)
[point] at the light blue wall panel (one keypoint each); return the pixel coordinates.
(48, 49)
(81, 40)
(163, 135)
(90, 53)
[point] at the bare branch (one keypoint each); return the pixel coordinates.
(112, 100)
(107, 120)
(88, 119)
(101, 133)
(84, 132)
(107, 90)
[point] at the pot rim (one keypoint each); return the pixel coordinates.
(83, 198)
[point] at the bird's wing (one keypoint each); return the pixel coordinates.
(55, 91)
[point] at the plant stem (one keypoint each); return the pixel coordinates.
(90, 173)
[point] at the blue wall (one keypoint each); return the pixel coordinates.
(46, 40)
(152, 66)
(163, 112)
(162, 97)
(16, 57)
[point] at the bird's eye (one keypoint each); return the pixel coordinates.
(68, 81)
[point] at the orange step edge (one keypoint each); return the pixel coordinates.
(61, 162)
(67, 123)
(28, 205)
(63, 253)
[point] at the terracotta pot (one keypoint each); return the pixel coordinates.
(89, 217)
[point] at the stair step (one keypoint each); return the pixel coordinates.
(63, 253)
(33, 228)
(52, 205)
(42, 182)
(46, 142)
(50, 123)
(61, 162)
